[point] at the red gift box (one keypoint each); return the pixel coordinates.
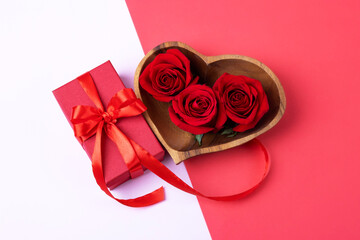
(108, 83)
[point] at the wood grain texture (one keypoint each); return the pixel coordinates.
(182, 145)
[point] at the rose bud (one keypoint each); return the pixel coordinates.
(242, 98)
(195, 110)
(167, 75)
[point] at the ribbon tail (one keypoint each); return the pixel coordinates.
(164, 173)
(126, 150)
(143, 201)
(87, 83)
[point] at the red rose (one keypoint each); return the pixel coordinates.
(195, 110)
(242, 98)
(167, 75)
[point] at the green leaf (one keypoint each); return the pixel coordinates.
(227, 131)
(198, 138)
(232, 135)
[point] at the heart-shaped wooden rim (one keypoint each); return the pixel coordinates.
(182, 145)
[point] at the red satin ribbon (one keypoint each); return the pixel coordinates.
(89, 121)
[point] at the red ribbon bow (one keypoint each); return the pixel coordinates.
(89, 121)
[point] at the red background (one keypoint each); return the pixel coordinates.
(313, 189)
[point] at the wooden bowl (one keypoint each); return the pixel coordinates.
(182, 145)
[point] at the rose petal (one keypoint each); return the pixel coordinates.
(146, 84)
(183, 106)
(243, 99)
(185, 61)
(221, 116)
(169, 58)
(243, 120)
(186, 127)
(156, 69)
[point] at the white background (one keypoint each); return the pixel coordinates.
(46, 182)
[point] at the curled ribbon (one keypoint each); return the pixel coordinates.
(89, 121)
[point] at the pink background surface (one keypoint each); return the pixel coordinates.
(313, 189)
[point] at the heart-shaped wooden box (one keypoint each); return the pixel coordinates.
(182, 145)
